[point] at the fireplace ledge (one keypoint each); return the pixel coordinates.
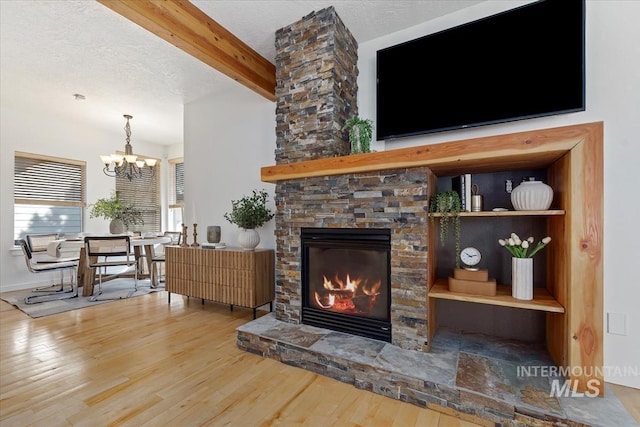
(531, 149)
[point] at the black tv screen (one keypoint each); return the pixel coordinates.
(523, 63)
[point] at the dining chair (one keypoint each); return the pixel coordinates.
(38, 244)
(158, 259)
(48, 266)
(109, 251)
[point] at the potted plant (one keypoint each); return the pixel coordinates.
(448, 205)
(360, 134)
(120, 214)
(249, 213)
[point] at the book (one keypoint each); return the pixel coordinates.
(467, 192)
(457, 185)
(461, 184)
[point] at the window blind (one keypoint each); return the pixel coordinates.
(176, 179)
(48, 181)
(143, 193)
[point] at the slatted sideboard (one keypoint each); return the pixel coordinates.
(228, 276)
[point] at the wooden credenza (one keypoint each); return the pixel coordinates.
(228, 276)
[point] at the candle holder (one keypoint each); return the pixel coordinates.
(184, 243)
(195, 237)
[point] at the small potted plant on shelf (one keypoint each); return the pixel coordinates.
(249, 213)
(360, 134)
(448, 205)
(122, 215)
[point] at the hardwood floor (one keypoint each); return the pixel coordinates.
(142, 362)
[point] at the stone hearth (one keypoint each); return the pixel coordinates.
(475, 375)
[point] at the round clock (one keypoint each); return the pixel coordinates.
(470, 257)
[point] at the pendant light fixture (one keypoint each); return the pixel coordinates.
(128, 166)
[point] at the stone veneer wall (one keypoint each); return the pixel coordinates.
(316, 75)
(394, 199)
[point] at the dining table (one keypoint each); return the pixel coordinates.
(143, 249)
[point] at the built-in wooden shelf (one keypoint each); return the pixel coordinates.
(551, 212)
(524, 150)
(542, 300)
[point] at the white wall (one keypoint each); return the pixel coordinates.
(613, 96)
(228, 137)
(32, 130)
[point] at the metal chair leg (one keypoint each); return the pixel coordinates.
(34, 299)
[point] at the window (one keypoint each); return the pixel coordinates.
(176, 193)
(143, 193)
(49, 195)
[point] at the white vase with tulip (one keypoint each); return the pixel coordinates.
(522, 264)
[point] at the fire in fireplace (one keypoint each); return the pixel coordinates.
(346, 280)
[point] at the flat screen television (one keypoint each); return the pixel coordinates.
(519, 64)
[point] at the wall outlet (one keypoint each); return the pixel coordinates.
(617, 323)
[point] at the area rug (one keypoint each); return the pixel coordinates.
(117, 289)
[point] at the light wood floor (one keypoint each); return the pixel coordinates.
(141, 362)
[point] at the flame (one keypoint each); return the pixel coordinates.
(338, 294)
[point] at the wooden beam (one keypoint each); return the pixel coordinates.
(183, 25)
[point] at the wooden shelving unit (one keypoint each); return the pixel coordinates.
(542, 299)
(551, 212)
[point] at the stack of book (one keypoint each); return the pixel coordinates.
(462, 185)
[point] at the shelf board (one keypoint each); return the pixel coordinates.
(550, 212)
(542, 300)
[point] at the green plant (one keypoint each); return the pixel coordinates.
(250, 211)
(360, 134)
(519, 248)
(113, 208)
(447, 204)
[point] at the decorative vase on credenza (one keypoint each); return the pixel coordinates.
(248, 239)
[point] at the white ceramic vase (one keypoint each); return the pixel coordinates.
(532, 196)
(522, 278)
(248, 239)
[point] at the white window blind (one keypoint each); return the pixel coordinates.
(144, 194)
(176, 179)
(49, 194)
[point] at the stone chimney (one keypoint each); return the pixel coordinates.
(316, 74)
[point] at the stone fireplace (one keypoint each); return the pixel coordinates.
(316, 72)
(393, 200)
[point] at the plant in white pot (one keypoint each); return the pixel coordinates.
(249, 213)
(118, 212)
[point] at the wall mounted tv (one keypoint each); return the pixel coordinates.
(523, 63)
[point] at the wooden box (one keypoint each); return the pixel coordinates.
(473, 287)
(481, 275)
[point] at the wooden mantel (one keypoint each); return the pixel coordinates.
(530, 149)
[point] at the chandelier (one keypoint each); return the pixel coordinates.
(127, 166)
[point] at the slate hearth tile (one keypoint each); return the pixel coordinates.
(437, 366)
(259, 325)
(298, 335)
(524, 353)
(490, 377)
(446, 339)
(350, 347)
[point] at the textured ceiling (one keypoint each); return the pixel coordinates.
(50, 50)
